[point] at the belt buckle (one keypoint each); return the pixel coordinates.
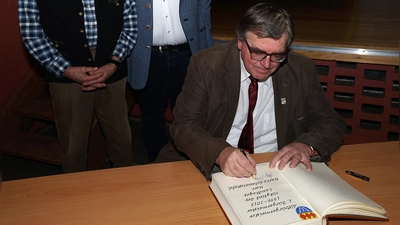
(160, 49)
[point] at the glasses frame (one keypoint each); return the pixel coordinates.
(266, 55)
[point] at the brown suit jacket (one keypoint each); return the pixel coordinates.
(206, 107)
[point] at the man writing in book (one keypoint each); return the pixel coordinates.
(254, 93)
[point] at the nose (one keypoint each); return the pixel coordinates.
(266, 62)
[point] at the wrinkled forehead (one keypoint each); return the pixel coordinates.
(268, 44)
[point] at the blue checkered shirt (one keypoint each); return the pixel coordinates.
(43, 50)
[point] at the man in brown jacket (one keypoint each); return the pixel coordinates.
(292, 116)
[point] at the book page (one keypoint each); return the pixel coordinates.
(266, 198)
(322, 188)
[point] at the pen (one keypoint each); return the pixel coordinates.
(244, 153)
(357, 175)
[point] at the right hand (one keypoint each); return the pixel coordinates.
(80, 75)
(234, 164)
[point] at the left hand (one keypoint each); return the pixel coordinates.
(104, 73)
(294, 153)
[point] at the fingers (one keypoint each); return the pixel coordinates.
(79, 74)
(245, 165)
(237, 171)
(93, 87)
(90, 70)
(292, 154)
(88, 88)
(308, 165)
(238, 165)
(277, 158)
(253, 164)
(94, 82)
(99, 75)
(92, 77)
(296, 160)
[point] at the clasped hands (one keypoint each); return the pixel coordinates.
(90, 78)
(233, 163)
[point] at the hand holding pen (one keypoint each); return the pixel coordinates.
(235, 163)
(244, 153)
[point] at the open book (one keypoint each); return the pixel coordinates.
(292, 196)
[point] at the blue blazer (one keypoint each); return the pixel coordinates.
(196, 23)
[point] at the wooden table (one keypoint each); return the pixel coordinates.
(174, 193)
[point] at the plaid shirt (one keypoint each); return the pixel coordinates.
(43, 50)
(89, 14)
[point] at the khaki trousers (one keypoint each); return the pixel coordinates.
(73, 111)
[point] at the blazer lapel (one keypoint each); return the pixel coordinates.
(282, 100)
(231, 75)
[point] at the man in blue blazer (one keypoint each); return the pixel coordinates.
(169, 32)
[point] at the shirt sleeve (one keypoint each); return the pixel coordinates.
(36, 41)
(127, 38)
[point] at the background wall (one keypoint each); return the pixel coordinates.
(15, 62)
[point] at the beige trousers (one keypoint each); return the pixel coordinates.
(73, 111)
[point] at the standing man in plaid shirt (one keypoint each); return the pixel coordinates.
(83, 44)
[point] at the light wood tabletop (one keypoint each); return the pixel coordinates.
(176, 192)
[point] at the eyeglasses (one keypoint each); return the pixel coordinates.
(259, 55)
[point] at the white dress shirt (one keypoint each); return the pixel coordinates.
(167, 27)
(263, 115)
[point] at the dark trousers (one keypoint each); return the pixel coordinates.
(165, 79)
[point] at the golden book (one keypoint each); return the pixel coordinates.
(292, 196)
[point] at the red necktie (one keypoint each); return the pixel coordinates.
(246, 140)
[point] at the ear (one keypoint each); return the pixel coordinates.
(240, 45)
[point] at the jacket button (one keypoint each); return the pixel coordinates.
(148, 6)
(148, 27)
(85, 45)
(89, 59)
(147, 47)
(81, 30)
(80, 13)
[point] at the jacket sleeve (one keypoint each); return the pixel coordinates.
(323, 127)
(194, 130)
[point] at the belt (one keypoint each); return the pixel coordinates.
(171, 48)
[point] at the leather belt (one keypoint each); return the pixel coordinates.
(171, 48)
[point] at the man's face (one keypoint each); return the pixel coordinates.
(261, 69)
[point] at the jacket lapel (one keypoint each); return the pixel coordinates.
(281, 85)
(231, 75)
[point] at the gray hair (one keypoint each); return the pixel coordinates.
(266, 20)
